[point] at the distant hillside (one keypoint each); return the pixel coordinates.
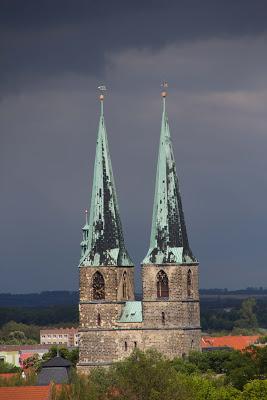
(249, 291)
(42, 299)
(65, 298)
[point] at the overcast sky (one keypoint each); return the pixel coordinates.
(54, 54)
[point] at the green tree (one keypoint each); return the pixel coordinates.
(34, 362)
(214, 361)
(71, 355)
(240, 369)
(255, 390)
(248, 318)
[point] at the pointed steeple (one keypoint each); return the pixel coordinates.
(168, 241)
(104, 242)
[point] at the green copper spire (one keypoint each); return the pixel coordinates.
(168, 241)
(103, 234)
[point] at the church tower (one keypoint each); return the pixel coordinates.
(170, 270)
(106, 269)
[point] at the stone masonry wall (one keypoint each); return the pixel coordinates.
(176, 314)
(177, 275)
(112, 277)
(105, 347)
(109, 314)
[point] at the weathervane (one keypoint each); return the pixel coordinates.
(102, 88)
(164, 85)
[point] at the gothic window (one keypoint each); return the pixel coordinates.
(98, 286)
(163, 318)
(124, 285)
(162, 285)
(189, 283)
(98, 319)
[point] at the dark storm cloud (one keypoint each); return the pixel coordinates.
(50, 38)
(54, 54)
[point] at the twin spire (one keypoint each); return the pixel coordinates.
(103, 242)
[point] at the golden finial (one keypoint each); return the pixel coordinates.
(102, 88)
(164, 92)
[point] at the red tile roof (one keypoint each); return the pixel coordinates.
(235, 342)
(25, 393)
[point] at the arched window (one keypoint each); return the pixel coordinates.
(162, 285)
(189, 283)
(98, 286)
(163, 318)
(124, 285)
(98, 319)
(125, 346)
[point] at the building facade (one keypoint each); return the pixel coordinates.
(112, 323)
(60, 336)
(16, 354)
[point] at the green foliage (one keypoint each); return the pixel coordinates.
(248, 318)
(262, 339)
(18, 379)
(255, 390)
(71, 355)
(6, 367)
(214, 361)
(147, 376)
(19, 333)
(34, 363)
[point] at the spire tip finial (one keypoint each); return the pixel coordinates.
(164, 85)
(102, 88)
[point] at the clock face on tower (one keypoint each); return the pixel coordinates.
(98, 286)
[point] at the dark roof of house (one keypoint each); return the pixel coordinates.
(57, 362)
(52, 374)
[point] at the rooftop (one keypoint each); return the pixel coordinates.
(25, 393)
(132, 312)
(57, 362)
(234, 342)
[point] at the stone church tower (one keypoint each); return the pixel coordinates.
(169, 270)
(112, 323)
